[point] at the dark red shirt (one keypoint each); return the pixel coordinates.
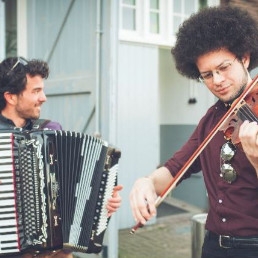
(233, 208)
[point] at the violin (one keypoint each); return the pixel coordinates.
(245, 107)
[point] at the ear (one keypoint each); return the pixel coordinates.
(246, 60)
(10, 98)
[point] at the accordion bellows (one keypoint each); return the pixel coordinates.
(54, 190)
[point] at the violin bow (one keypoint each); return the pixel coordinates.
(172, 184)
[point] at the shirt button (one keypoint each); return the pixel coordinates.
(224, 219)
(220, 201)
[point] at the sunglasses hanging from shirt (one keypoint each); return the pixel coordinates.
(227, 152)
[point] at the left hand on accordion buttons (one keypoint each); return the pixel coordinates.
(115, 201)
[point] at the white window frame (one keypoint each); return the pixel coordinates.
(184, 16)
(128, 34)
(142, 33)
(154, 37)
(22, 33)
(156, 12)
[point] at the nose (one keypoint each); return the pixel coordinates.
(43, 97)
(217, 77)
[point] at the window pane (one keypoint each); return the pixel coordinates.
(189, 7)
(203, 3)
(154, 23)
(130, 2)
(177, 6)
(177, 22)
(154, 4)
(129, 19)
(11, 28)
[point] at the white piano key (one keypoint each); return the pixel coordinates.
(5, 188)
(6, 181)
(6, 195)
(4, 141)
(11, 245)
(7, 230)
(4, 160)
(5, 135)
(6, 174)
(14, 250)
(10, 237)
(6, 202)
(5, 145)
(8, 222)
(6, 153)
(10, 209)
(6, 167)
(6, 215)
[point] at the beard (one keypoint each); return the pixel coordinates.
(236, 95)
(30, 113)
(240, 90)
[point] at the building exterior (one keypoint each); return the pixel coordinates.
(112, 74)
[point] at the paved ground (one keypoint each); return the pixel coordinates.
(170, 237)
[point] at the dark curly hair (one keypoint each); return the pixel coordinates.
(13, 75)
(215, 28)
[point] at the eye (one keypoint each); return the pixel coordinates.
(224, 67)
(36, 91)
(206, 76)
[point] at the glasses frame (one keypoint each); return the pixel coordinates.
(219, 71)
(20, 60)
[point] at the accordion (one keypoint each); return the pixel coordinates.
(54, 190)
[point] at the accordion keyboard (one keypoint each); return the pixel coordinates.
(9, 242)
(54, 187)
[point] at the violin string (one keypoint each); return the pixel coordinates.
(251, 114)
(245, 113)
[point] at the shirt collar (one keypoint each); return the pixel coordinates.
(28, 125)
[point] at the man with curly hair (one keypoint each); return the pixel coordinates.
(21, 97)
(217, 46)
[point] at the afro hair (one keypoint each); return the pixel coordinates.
(211, 29)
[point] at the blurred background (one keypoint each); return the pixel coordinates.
(112, 74)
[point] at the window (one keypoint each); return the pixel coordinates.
(129, 15)
(155, 21)
(154, 16)
(11, 28)
(181, 10)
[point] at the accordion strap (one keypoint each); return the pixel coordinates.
(40, 123)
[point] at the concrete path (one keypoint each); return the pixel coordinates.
(169, 237)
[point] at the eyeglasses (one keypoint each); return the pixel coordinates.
(227, 152)
(221, 70)
(20, 60)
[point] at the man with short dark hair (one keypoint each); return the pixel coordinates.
(21, 97)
